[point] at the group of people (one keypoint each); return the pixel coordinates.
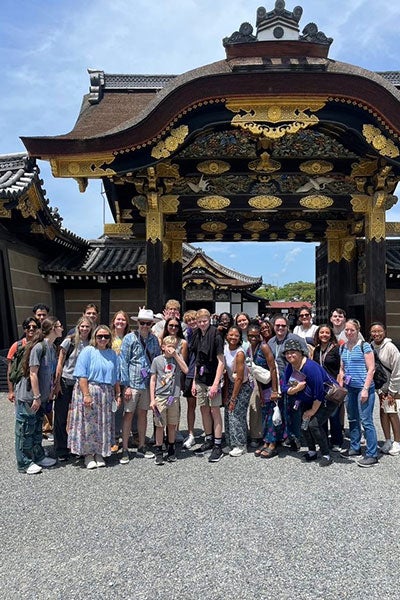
(101, 381)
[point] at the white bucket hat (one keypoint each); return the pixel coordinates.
(145, 314)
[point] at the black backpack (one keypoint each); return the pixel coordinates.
(382, 374)
(16, 373)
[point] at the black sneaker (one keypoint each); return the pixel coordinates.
(367, 461)
(159, 458)
(307, 457)
(207, 445)
(325, 462)
(216, 454)
(171, 454)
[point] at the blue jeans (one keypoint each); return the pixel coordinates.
(359, 414)
(28, 435)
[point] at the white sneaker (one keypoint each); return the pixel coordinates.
(47, 461)
(100, 460)
(90, 463)
(236, 451)
(33, 469)
(386, 447)
(336, 448)
(395, 449)
(189, 442)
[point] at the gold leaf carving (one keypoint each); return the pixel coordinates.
(292, 113)
(265, 202)
(316, 202)
(25, 207)
(154, 226)
(393, 228)
(298, 226)
(266, 164)
(383, 145)
(256, 226)
(213, 202)
(169, 204)
(4, 213)
(364, 168)
(167, 169)
(176, 230)
(361, 203)
(79, 167)
(214, 226)
(316, 167)
(118, 229)
(171, 143)
(213, 167)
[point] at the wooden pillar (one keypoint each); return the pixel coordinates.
(154, 252)
(375, 265)
(173, 260)
(342, 278)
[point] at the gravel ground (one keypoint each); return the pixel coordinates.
(241, 529)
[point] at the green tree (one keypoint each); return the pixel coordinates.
(298, 291)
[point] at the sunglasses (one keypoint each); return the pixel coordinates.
(145, 323)
(103, 336)
(305, 315)
(174, 326)
(280, 326)
(32, 327)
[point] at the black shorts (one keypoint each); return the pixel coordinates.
(187, 387)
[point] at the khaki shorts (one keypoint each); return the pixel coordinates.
(391, 408)
(139, 399)
(203, 398)
(169, 415)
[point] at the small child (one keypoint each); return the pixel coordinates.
(165, 389)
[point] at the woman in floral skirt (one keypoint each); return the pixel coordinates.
(95, 392)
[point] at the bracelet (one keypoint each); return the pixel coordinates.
(86, 395)
(37, 397)
(365, 388)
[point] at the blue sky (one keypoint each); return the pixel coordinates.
(46, 47)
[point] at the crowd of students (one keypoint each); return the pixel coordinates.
(98, 385)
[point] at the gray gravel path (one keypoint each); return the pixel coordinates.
(242, 529)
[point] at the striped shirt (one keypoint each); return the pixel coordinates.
(354, 363)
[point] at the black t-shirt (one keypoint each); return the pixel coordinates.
(207, 347)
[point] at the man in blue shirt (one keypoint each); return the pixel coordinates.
(138, 350)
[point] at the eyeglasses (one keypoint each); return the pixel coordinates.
(145, 323)
(280, 326)
(103, 336)
(304, 315)
(174, 326)
(32, 327)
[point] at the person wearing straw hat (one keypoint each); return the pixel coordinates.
(138, 350)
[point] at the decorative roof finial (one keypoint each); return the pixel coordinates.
(278, 25)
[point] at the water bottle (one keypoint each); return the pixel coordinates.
(305, 423)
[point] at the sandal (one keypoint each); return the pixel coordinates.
(268, 453)
(260, 450)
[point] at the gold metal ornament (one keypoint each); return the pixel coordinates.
(171, 143)
(316, 202)
(298, 226)
(79, 167)
(213, 202)
(4, 213)
(214, 226)
(256, 226)
(364, 168)
(118, 229)
(382, 144)
(316, 167)
(213, 167)
(265, 164)
(169, 204)
(265, 202)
